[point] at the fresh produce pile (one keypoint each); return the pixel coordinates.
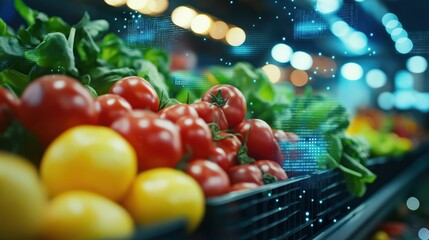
(108, 132)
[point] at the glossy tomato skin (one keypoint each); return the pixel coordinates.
(230, 144)
(110, 107)
(196, 136)
(52, 104)
(9, 105)
(242, 186)
(260, 143)
(176, 111)
(245, 173)
(235, 108)
(272, 168)
(282, 136)
(138, 92)
(218, 156)
(155, 140)
(211, 113)
(212, 178)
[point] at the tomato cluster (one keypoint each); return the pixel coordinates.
(209, 141)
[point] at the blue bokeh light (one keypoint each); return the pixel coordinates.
(404, 80)
(386, 101)
(376, 78)
(352, 71)
(404, 45)
(282, 53)
(417, 64)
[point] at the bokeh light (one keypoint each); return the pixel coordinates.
(404, 45)
(417, 64)
(218, 30)
(201, 24)
(398, 33)
(404, 80)
(235, 36)
(388, 17)
(282, 53)
(340, 28)
(413, 203)
(273, 72)
(301, 60)
(299, 78)
(352, 71)
(182, 16)
(386, 101)
(116, 3)
(328, 6)
(137, 4)
(357, 41)
(376, 78)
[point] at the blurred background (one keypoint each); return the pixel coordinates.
(366, 52)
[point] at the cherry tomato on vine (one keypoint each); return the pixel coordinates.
(272, 168)
(52, 104)
(211, 114)
(230, 99)
(176, 111)
(230, 144)
(260, 140)
(138, 92)
(155, 140)
(110, 107)
(212, 178)
(218, 156)
(245, 173)
(9, 104)
(196, 136)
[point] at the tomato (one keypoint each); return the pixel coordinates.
(211, 114)
(138, 92)
(92, 158)
(196, 136)
(272, 168)
(242, 186)
(52, 104)
(155, 140)
(282, 136)
(218, 156)
(9, 104)
(230, 144)
(260, 140)
(85, 215)
(176, 111)
(22, 198)
(212, 178)
(230, 99)
(245, 173)
(164, 194)
(110, 107)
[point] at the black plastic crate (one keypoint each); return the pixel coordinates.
(329, 200)
(274, 211)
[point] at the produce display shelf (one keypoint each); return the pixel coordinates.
(359, 222)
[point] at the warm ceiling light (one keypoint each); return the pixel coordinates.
(115, 3)
(235, 36)
(219, 30)
(201, 24)
(157, 6)
(299, 78)
(273, 72)
(182, 16)
(137, 4)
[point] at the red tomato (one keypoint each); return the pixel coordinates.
(176, 111)
(212, 179)
(272, 168)
(109, 107)
(52, 104)
(138, 92)
(196, 136)
(282, 136)
(9, 104)
(260, 140)
(230, 144)
(230, 99)
(218, 156)
(155, 140)
(243, 186)
(211, 114)
(245, 173)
